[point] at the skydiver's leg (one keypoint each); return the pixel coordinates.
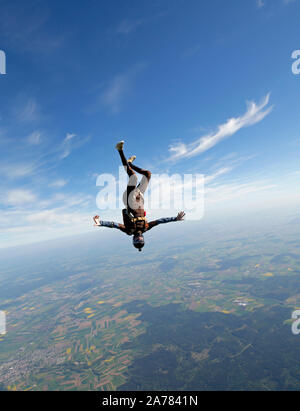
(127, 166)
(145, 179)
(139, 170)
(131, 174)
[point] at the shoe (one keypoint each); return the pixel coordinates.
(120, 145)
(131, 159)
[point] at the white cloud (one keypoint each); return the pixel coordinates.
(254, 114)
(44, 225)
(33, 219)
(24, 28)
(120, 86)
(34, 138)
(225, 192)
(18, 197)
(216, 174)
(29, 112)
(17, 170)
(260, 3)
(58, 183)
(66, 145)
(127, 26)
(70, 143)
(52, 217)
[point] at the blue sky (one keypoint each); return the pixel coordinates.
(192, 86)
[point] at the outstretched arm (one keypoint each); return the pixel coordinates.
(180, 217)
(110, 224)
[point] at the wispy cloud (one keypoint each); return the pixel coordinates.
(42, 156)
(58, 183)
(67, 145)
(216, 174)
(254, 114)
(119, 88)
(260, 3)
(191, 51)
(29, 112)
(71, 142)
(220, 193)
(25, 27)
(17, 170)
(127, 26)
(18, 197)
(113, 96)
(34, 138)
(27, 218)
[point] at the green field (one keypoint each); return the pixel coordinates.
(207, 314)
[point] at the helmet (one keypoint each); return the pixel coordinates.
(138, 241)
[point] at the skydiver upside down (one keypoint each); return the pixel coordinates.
(135, 222)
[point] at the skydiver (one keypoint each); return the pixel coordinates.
(134, 215)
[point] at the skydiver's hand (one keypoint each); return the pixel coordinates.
(180, 216)
(97, 220)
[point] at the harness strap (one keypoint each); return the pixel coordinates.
(134, 220)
